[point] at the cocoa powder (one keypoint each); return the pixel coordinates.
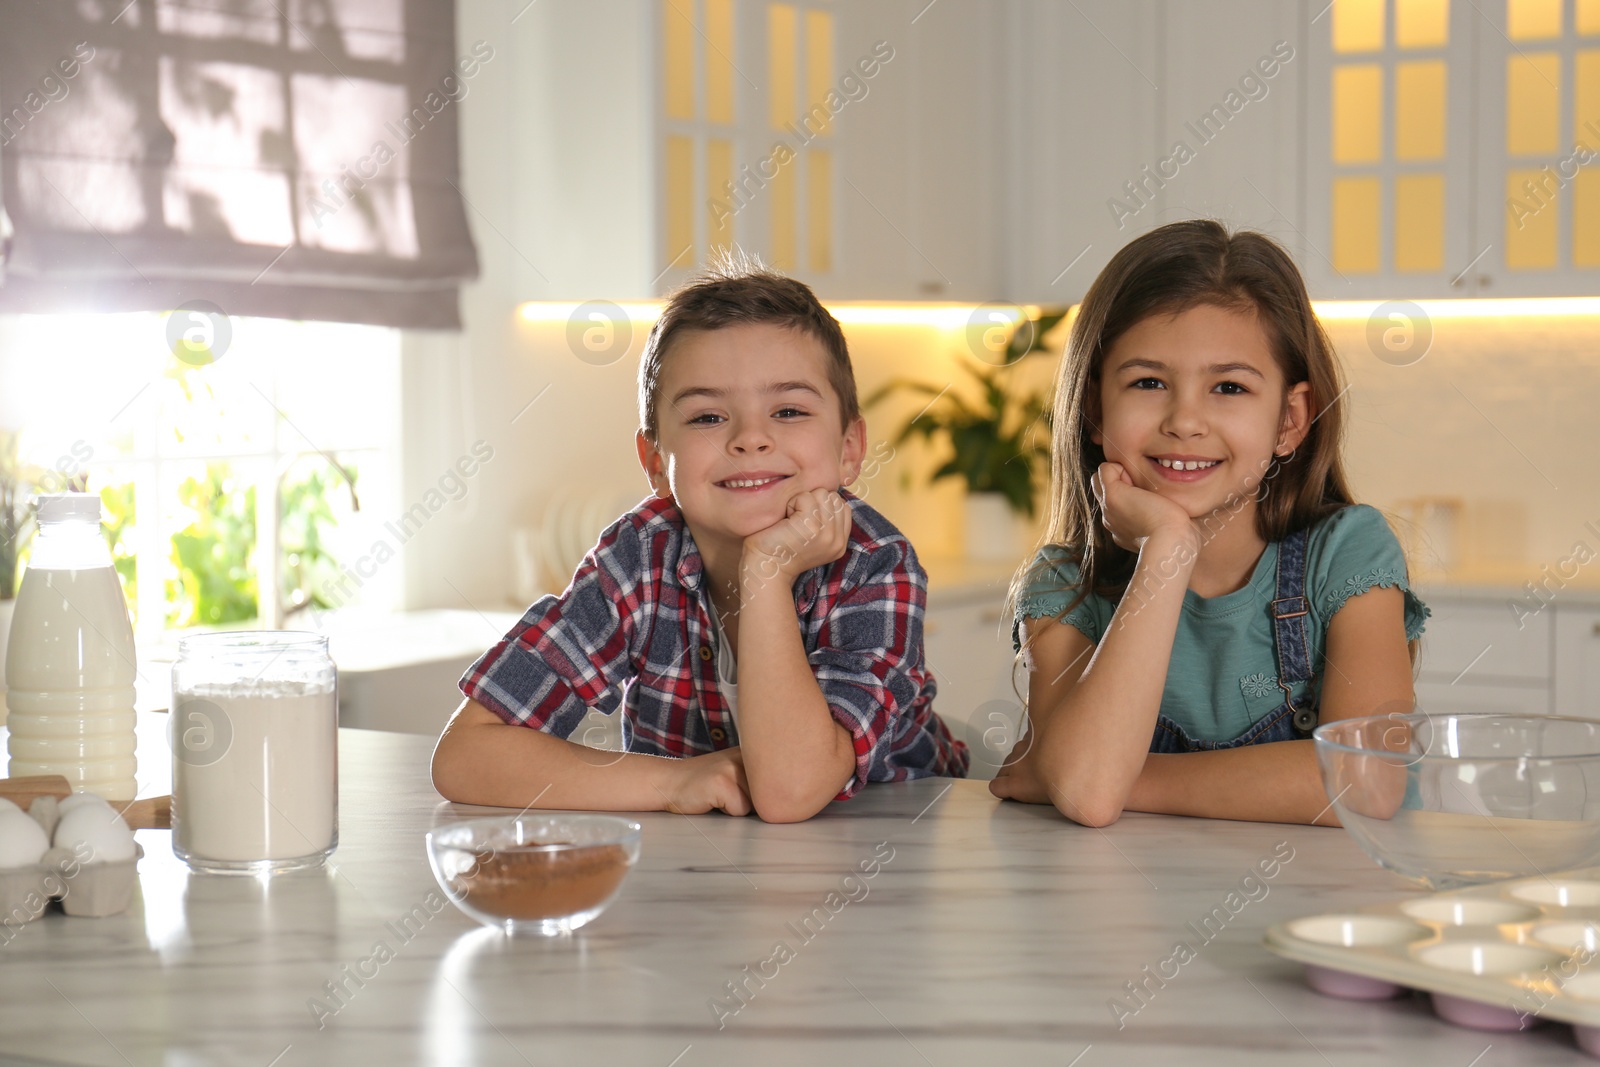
(543, 883)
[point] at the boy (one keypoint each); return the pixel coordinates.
(763, 624)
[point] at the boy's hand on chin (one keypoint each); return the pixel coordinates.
(715, 780)
(815, 531)
(1133, 514)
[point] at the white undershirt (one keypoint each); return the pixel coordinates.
(727, 671)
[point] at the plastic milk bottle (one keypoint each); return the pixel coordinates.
(69, 665)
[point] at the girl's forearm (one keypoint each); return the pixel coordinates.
(1277, 782)
(796, 757)
(1092, 748)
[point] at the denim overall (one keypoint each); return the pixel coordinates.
(1289, 610)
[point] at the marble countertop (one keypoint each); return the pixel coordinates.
(987, 933)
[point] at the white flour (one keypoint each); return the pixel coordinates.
(254, 772)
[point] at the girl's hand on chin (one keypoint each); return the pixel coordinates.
(1133, 514)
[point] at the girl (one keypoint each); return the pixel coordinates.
(1210, 592)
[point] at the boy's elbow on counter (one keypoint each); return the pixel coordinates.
(454, 768)
(784, 805)
(443, 770)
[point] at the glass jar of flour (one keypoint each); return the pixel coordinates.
(255, 727)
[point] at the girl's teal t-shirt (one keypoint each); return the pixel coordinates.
(1223, 676)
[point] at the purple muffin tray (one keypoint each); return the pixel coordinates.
(1504, 956)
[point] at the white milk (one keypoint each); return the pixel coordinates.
(254, 773)
(69, 673)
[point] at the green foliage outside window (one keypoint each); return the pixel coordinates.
(308, 566)
(214, 554)
(216, 583)
(117, 520)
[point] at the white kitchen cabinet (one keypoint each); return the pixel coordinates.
(900, 194)
(1442, 698)
(1082, 88)
(1577, 661)
(968, 644)
(1476, 657)
(1424, 127)
(922, 178)
(1538, 222)
(1131, 116)
(1389, 165)
(1472, 641)
(1230, 116)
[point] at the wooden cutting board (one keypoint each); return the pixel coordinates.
(147, 813)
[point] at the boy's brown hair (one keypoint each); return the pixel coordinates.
(739, 291)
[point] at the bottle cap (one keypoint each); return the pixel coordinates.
(59, 507)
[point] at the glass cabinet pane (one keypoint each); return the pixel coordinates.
(677, 66)
(1357, 216)
(819, 70)
(1358, 113)
(1419, 222)
(1421, 23)
(719, 61)
(719, 176)
(1532, 236)
(781, 26)
(1586, 18)
(1533, 104)
(1533, 20)
(680, 202)
(1358, 25)
(1419, 110)
(819, 209)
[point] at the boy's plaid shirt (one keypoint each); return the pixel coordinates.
(634, 628)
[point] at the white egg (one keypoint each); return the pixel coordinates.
(22, 841)
(78, 800)
(95, 834)
(6, 805)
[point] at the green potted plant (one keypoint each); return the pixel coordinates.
(996, 441)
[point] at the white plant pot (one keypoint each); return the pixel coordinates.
(6, 607)
(995, 533)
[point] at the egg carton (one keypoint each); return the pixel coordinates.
(1504, 956)
(94, 890)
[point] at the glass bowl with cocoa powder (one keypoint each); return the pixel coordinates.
(539, 874)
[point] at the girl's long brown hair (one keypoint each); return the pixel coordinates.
(1166, 272)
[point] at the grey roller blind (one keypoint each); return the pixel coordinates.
(288, 158)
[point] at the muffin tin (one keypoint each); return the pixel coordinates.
(88, 889)
(1504, 956)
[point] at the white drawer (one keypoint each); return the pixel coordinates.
(1442, 698)
(1577, 690)
(1480, 641)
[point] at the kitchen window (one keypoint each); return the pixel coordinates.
(288, 158)
(222, 481)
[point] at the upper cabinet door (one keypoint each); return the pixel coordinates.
(1539, 148)
(856, 147)
(1086, 159)
(1389, 146)
(1230, 92)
